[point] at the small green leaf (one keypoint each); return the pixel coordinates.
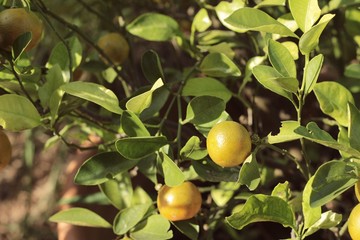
(95, 93)
(263, 208)
(154, 27)
(353, 71)
(132, 125)
(20, 44)
(192, 149)
(127, 218)
(281, 59)
(211, 172)
(143, 101)
(286, 133)
(305, 12)
(201, 21)
(335, 107)
(154, 227)
(312, 71)
(354, 126)
(219, 65)
(224, 192)
(204, 109)
(206, 86)
(245, 19)
(249, 174)
(224, 9)
(151, 66)
(173, 176)
(139, 147)
(54, 79)
(311, 214)
(330, 180)
(189, 229)
(310, 39)
(282, 190)
(140, 196)
(327, 220)
(269, 3)
(102, 167)
(80, 217)
(17, 113)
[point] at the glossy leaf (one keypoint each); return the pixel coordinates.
(151, 66)
(173, 176)
(132, 125)
(245, 19)
(219, 65)
(327, 220)
(159, 98)
(335, 107)
(192, 149)
(139, 147)
(80, 217)
(189, 229)
(249, 174)
(153, 27)
(224, 9)
(102, 167)
(154, 227)
(54, 79)
(206, 86)
(201, 21)
(211, 172)
(269, 3)
(263, 208)
(311, 214)
(286, 133)
(17, 113)
(127, 218)
(204, 109)
(281, 59)
(282, 190)
(305, 12)
(310, 39)
(330, 180)
(354, 126)
(141, 102)
(312, 72)
(95, 93)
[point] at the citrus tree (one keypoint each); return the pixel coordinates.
(237, 112)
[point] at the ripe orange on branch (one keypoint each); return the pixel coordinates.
(16, 21)
(228, 144)
(115, 46)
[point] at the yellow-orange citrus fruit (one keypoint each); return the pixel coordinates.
(115, 46)
(357, 190)
(228, 143)
(180, 202)
(17, 21)
(5, 150)
(354, 223)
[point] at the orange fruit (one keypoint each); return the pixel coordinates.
(354, 223)
(5, 150)
(180, 202)
(357, 190)
(17, 21)
(228, 143)
(115, 46)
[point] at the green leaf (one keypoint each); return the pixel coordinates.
(20, 44)
(154, 27)
(173, 176)
(335, 107)
(327, 220)
(192, 150)
(201, 21)
(313, 133)
(271, 79)
(109, 74)
(305, 13)
(127, 218)
(139, 147)
(224, 9)
(286, 133)
(281, 59)
(189, 229)
(95, 93)
(54, 79)
(132, 125)
(154, 227)
(263, 208)
(354, 126)
(219, 65)
(245, 19)
(269, 3)
(311, 214)
(204, 109)
(312, 72)
(102, 167)
(17, 113)
(151, 66)
(282, 190)
(159, 98)
(211, 172)
(224, 192)
(310, 39)
(249, 174)
(142, 101)
(201, 86)
(140, 196)
(80, 217)
(118, 190)
(330, 180)
(353, 71)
